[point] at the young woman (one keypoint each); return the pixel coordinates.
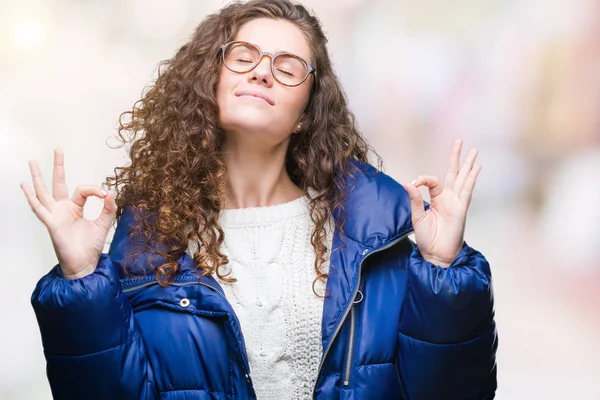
(257, 253)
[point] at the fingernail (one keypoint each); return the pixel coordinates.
(103, 192)
(414, 182)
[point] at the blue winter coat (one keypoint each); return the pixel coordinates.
(394, 327)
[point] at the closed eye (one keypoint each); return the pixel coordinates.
(285, 72)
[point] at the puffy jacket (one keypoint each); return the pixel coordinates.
(394, 326)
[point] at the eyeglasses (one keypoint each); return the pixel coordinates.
(287, 68)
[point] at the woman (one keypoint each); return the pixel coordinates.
(221, 282)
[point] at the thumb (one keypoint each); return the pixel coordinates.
(108, 211)
(416, 203)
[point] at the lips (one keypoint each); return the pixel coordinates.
(255, 94)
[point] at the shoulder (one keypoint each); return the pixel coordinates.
(131, 250)
(377, 207)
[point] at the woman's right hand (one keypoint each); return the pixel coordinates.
(78, 242)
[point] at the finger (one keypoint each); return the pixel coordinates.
(432, 183)
(59, 183)
(38, 209)
(83, 192)
(416, 203)
(453, 163)
(465, 170)
(467, 191)
(108, 211)
(39, 186)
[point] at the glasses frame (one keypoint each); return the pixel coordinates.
(309, 68)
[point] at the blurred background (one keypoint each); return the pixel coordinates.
(519, 80)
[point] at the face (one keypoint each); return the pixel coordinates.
(249, 118)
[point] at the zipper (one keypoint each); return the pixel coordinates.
(208, 286)
(139, 286)
(350, 348)
(147, 284)
(350, 353)
(350, 308)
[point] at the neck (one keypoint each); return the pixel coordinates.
(258, 177)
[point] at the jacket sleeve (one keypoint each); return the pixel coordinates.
(92, 344)
(447, 335)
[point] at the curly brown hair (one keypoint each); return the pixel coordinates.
(177, 171)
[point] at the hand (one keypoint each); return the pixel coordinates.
(439, 232)
(78, 242)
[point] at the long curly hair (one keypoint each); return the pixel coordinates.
(177, 171)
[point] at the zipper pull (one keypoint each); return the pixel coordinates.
(361, 298)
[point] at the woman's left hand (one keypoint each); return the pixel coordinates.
(439, 231)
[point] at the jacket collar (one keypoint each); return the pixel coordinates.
(377, 207)
(125, 246)
(377, 212)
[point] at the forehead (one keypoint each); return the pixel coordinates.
(275, 35)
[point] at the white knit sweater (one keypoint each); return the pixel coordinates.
(271, 257)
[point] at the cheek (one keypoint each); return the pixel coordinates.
(296, 101)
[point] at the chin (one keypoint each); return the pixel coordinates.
(245, 126)
(246, 120)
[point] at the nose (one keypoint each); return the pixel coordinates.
(262, 72)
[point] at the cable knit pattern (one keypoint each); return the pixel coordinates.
(271, 257)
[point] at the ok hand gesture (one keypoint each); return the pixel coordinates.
(439, 232)
(78, 242)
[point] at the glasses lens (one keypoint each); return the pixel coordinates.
(240, 57)
(289, 70)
